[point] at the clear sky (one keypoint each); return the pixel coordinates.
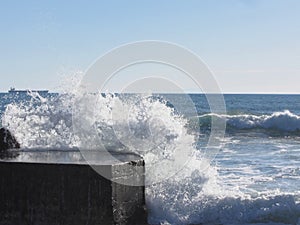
(250, 45)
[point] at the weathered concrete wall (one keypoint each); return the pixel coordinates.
(51, 187)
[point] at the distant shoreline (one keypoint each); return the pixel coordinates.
(191, 93)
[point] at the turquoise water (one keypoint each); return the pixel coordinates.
(254, 179)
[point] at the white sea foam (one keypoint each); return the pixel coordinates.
(281, 121)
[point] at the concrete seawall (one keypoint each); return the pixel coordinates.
(59, 187)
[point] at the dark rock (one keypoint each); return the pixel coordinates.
(59, 187)
(7, 140)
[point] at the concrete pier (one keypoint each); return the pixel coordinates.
(58, 187)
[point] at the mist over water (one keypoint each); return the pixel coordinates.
(253, 180)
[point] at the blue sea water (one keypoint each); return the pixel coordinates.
(254, 179)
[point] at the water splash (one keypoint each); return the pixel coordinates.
(193, 195)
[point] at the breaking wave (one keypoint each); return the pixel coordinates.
(284, 121)
(194, 195)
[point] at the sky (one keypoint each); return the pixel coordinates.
(251, 46)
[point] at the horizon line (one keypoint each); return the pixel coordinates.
(185, 92)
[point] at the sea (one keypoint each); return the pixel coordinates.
(252, 177)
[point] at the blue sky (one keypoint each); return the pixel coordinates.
(250, 45)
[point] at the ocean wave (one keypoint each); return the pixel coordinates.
(142, 124)
(207, 210)
(151, 128)
(279, 121)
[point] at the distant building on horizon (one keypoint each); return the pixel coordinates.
(13, 90)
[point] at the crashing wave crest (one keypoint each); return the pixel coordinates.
(281, 121)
